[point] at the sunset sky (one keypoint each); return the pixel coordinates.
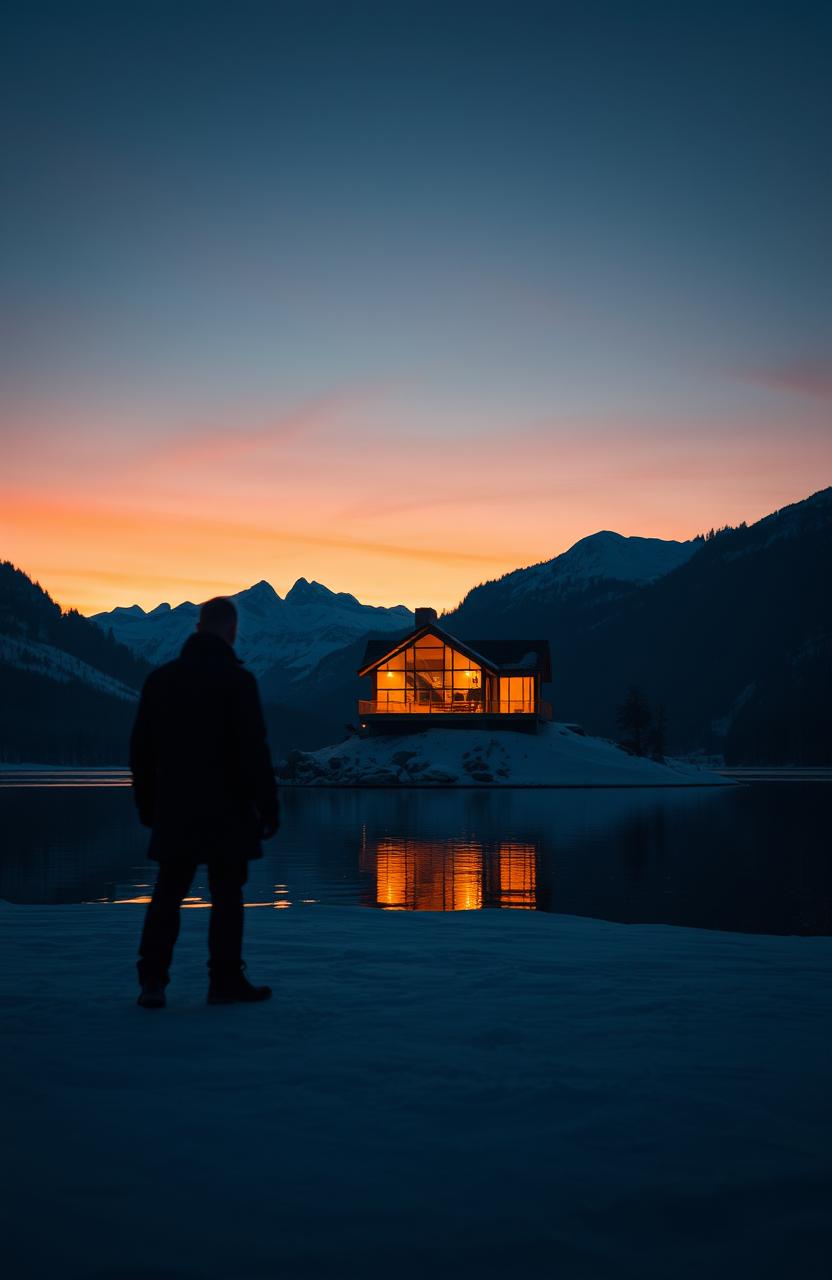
(400, 296)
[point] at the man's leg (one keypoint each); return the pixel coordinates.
(225, 931)
(229, 984)
(161, 922)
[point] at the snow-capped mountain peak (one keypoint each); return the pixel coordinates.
(306, 592)
(604, 556)
(131, 610)
(261, 590)
(610, 555)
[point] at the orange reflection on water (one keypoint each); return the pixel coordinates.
(419, 875)
(62, 786)
(451, 875)
(189, 904)
(518, 876)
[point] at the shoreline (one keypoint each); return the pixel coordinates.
(500, 786)
(738, 775)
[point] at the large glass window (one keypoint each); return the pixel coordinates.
(429, 676)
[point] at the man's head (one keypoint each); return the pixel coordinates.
(219, 618)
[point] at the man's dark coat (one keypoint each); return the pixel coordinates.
(202, 772)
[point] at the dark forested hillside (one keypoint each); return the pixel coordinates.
(50, 722)
(735, 643)
(29, 612)
(67, 690)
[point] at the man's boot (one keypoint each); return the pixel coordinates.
(152, 994)
(235, 988)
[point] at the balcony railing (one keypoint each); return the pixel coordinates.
(503, 707)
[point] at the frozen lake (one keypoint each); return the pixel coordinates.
(749, 859)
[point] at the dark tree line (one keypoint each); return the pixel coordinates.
(49, 721)
(69, 721)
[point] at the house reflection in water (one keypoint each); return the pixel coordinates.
(451, 875)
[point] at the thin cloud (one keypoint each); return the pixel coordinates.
(802, 377)
(317, 414)
(376, 509)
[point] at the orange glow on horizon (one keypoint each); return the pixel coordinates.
(93, 558)
(104, 513)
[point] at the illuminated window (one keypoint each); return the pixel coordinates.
(429, 676)
(516, 695)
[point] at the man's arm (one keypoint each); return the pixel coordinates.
(143, 759)
(255, 756)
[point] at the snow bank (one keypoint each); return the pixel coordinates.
(473, 1095)
(555, 757)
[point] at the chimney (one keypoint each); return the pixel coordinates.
(423, 617)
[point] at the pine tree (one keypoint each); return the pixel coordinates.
(635, 720)
(658, 737)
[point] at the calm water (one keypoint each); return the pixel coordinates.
(752, 858)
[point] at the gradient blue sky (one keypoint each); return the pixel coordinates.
(400, 296)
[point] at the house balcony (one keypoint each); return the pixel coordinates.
(461, 710)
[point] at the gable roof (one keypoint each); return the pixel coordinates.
(500, 656)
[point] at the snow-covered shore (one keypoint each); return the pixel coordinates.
(554, 757)
(476, 1095)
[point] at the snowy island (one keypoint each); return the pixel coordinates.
(447, 712)
(555, 756)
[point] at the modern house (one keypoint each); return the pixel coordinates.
(430, 678)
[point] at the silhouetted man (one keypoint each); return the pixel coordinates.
(203, 780)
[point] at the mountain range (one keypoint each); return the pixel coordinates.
(730, 632)
(294, 632)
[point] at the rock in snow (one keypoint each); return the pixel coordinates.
(557, 756)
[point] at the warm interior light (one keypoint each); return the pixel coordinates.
(389, 675)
